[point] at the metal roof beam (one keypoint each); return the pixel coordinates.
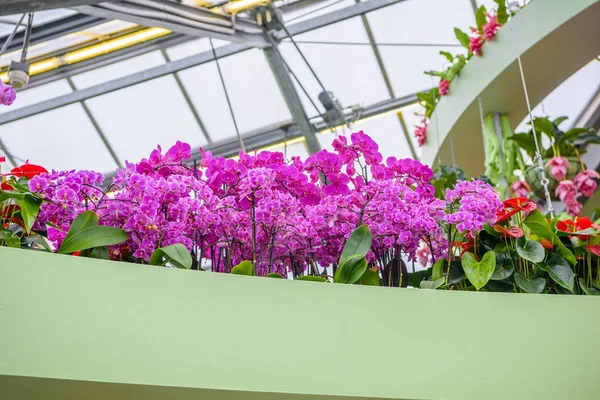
(10, 7)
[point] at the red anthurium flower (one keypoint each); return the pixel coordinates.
(512, 231)
(2, 159)
(513, 206)
(576, 226)
(28, 170)
(594, 248)
(77, 253)
(6, 187)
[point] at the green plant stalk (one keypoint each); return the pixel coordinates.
(492, 147)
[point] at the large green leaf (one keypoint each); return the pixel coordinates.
(438, 269)
(573, 134)
(479, 273)
(525, 141)
(415, 278)
(560, 271)
(564, 252)
(532, 251)
(350, 271)
(370, 278)
(462, 37)
(358, 245)
(502, 13)
(10, 195)
(177, 254)
(545, 126)
(311, 278)
(539, 225)
(533, 285)
(100, 253)
(94, 236)
(243, 268)
(86, 219)
(30, 206)
(432, 284)
(480, 18)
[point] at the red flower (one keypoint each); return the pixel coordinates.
(6, 187)
(475, 45)
(513, 206)
(491, 28)
(28, 170)
(77, 253)
(585, 182)
(512, 231)
(594, 249)
(558, 167)
(520, 189)
(444, 87)
(2, 159)
(546, 244)
(576, 227)
(421, 132)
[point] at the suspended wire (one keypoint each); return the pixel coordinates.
(437, 133)
(315, 10)
(11, 36)
(237, 131)
(287, 66)
(326, 42)
(27, 37)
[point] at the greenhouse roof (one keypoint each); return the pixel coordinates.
(112, 80)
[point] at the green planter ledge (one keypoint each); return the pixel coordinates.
(555, 38)
(74, 328)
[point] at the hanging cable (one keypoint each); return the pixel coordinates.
(289, 69)
(27, 37)
(314, 11)
(538, 155)
(11, 36)
(237, 131)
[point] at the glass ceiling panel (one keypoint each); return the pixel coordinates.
(62, 139)
(38, 94)
(118, 70)
(137, 118)
(255, 96)
(315, 9)
(413, 22)
(7, 22)
(349, 71)
(192, 47)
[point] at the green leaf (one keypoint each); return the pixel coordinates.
(573, 134)
(100, 253)
(502, 271)
(39, 240)
(243, 268)
(311, 278)
(30, 206)
(590, 291)
(434, 73)
(539, 225)
(370, 278)
(564, 252)
(86, 219)
(92, 237)
(415, 278)
(560, 120)
(438, 269)
(560, 271)
(502, 13)
(500, 286)
(533, 251)
(350, 271)
(480, 18)
(10, 195)
(177, 254)
(534, 285)
(526, 142)
(12, 241)
(457, 274)
(358, 245)
(432, 284)
(275, 275)
(462, 37)
(448, 56)
(479, 273)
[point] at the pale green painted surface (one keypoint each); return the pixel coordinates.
(555, 38)
(184, 332)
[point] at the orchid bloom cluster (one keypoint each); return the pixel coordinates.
(7, 94)
(286, 217)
